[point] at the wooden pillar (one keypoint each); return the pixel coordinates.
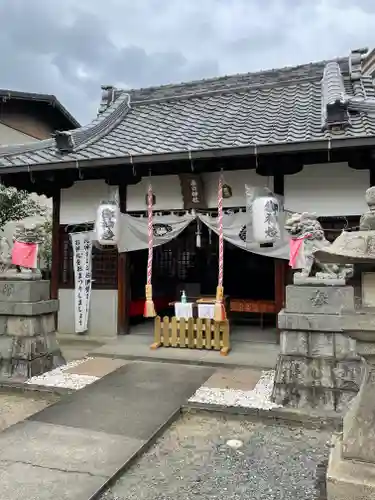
(55, 266)
(123, 278)
(372, 176)
(280, 283)
(280, 267)
(280, 264)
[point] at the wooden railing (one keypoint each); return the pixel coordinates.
(192, 333)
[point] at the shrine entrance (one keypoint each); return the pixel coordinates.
(250, 282)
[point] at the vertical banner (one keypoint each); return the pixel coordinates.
(82, 267)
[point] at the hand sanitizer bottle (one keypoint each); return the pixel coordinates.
(183, 297)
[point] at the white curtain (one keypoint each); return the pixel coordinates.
(134, 231)
(235, 229)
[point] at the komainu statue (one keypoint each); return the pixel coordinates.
(307, 238)
(25, 233)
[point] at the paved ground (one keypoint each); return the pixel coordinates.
(68, 450)
(192, 460)
(243, 354)
(16, 406)
(76, 348)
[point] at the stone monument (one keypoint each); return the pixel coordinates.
(351, 467)
(318, 367)
(28, 344)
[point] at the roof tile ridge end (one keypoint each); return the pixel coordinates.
(104, 123)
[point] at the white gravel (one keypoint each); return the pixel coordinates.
(59, 378)
(259, 397)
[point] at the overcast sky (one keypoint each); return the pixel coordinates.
(71, 47)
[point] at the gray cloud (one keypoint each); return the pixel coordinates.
(70, 48)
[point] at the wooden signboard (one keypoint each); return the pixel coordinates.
(192, 191)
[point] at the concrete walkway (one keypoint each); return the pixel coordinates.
(69, 450)
(243, 354)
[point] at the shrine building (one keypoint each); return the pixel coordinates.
(307, 133)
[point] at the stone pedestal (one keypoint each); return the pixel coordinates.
(28, 344)
(351, 467)
(318, 367)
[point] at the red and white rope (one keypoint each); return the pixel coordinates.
(150, 234)
(220, 228)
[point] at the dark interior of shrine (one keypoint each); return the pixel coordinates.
(181, 264)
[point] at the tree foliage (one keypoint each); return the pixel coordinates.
(17, 205)
(45, 251)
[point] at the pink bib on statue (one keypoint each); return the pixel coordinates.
(25, 254)
(296, 253)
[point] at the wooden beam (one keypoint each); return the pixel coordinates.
(55, 267)
(278, 184)
(372, 176)
(280, 264)
(123, 278)
(280, 283)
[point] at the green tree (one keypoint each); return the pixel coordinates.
(16, 205)
(45, 252)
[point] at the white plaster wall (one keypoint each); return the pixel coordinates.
(236, 180)
(328, 190)
(79, 203)
(168, 195)
(103, 313)
(167, 190)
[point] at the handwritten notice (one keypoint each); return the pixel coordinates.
(82, 267)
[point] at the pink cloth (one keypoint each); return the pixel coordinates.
(294, 250)
(25, 254)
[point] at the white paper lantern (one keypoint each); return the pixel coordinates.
(107, 223)
(265, 218)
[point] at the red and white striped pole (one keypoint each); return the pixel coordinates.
(219, 310)
(149, 309)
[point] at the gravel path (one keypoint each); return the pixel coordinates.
(193, 460)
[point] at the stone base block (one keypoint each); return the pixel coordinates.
(348, 479)
(323, 383)
(359, 324)
(317, 344)
(25, 357)
(28, 308)
(319, 299)
(27, 325)
(314, 281)
(24, 291)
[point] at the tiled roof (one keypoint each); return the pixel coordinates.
(6, 95)
(285, 106)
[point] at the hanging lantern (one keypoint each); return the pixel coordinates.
(265, 219)
(107, 223)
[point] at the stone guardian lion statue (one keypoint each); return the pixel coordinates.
(306, 226)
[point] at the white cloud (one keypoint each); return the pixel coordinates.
(70, 48)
